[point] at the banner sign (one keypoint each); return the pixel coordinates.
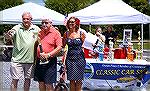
(119, 72)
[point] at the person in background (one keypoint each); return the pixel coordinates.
(24, 36)
(109, 34)
(99, 45)
(51, 43)
(75, 61)
(101, 37)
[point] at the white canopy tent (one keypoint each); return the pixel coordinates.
(110, 12)
(14, 15)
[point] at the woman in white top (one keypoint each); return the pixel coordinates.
(98, 47)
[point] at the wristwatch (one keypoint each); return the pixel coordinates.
(49, 55)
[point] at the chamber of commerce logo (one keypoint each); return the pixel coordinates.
(89, 71)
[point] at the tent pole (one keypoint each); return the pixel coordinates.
(142, 39)
(149, 31)
(90, 25)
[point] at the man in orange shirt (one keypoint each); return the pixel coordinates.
(51, 42)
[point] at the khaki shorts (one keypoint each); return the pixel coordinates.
(17, 70)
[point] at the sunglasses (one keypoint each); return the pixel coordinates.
(26, 18)
(71, 21)
(45, 22)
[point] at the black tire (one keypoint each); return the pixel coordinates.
(61, 87)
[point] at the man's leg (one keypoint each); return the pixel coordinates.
(49, 87)
(42, 86)
(16, 72)
(14, 83)
(27, 75)
(27, 84)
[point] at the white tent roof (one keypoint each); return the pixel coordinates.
(14, 14)
(110, 12)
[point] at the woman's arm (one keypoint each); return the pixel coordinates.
(83, 37)
(64, 39)
(65, 46)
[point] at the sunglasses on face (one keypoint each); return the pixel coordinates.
(26, 18)
(46, 22)
(71, 21)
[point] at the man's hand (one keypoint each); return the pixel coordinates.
(9, 34)
(44, 56)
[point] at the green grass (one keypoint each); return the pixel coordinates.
(145, 45)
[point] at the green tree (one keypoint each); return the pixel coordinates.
(140, 5)
(5, 4)
(67, 6)
(144, 7)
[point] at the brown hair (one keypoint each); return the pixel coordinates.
(97, 29)
(77, 22)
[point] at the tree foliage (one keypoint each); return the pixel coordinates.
(144, 7)
(140, 5)
(67, 6)
(5, 4)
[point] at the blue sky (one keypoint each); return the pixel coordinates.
(40, 2)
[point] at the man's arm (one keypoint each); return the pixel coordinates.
(35, 51)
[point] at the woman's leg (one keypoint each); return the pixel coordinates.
(78, 85)
(72, 85)
(49, 87)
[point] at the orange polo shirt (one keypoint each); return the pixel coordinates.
(49, 40)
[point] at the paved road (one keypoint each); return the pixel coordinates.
(5, 79)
